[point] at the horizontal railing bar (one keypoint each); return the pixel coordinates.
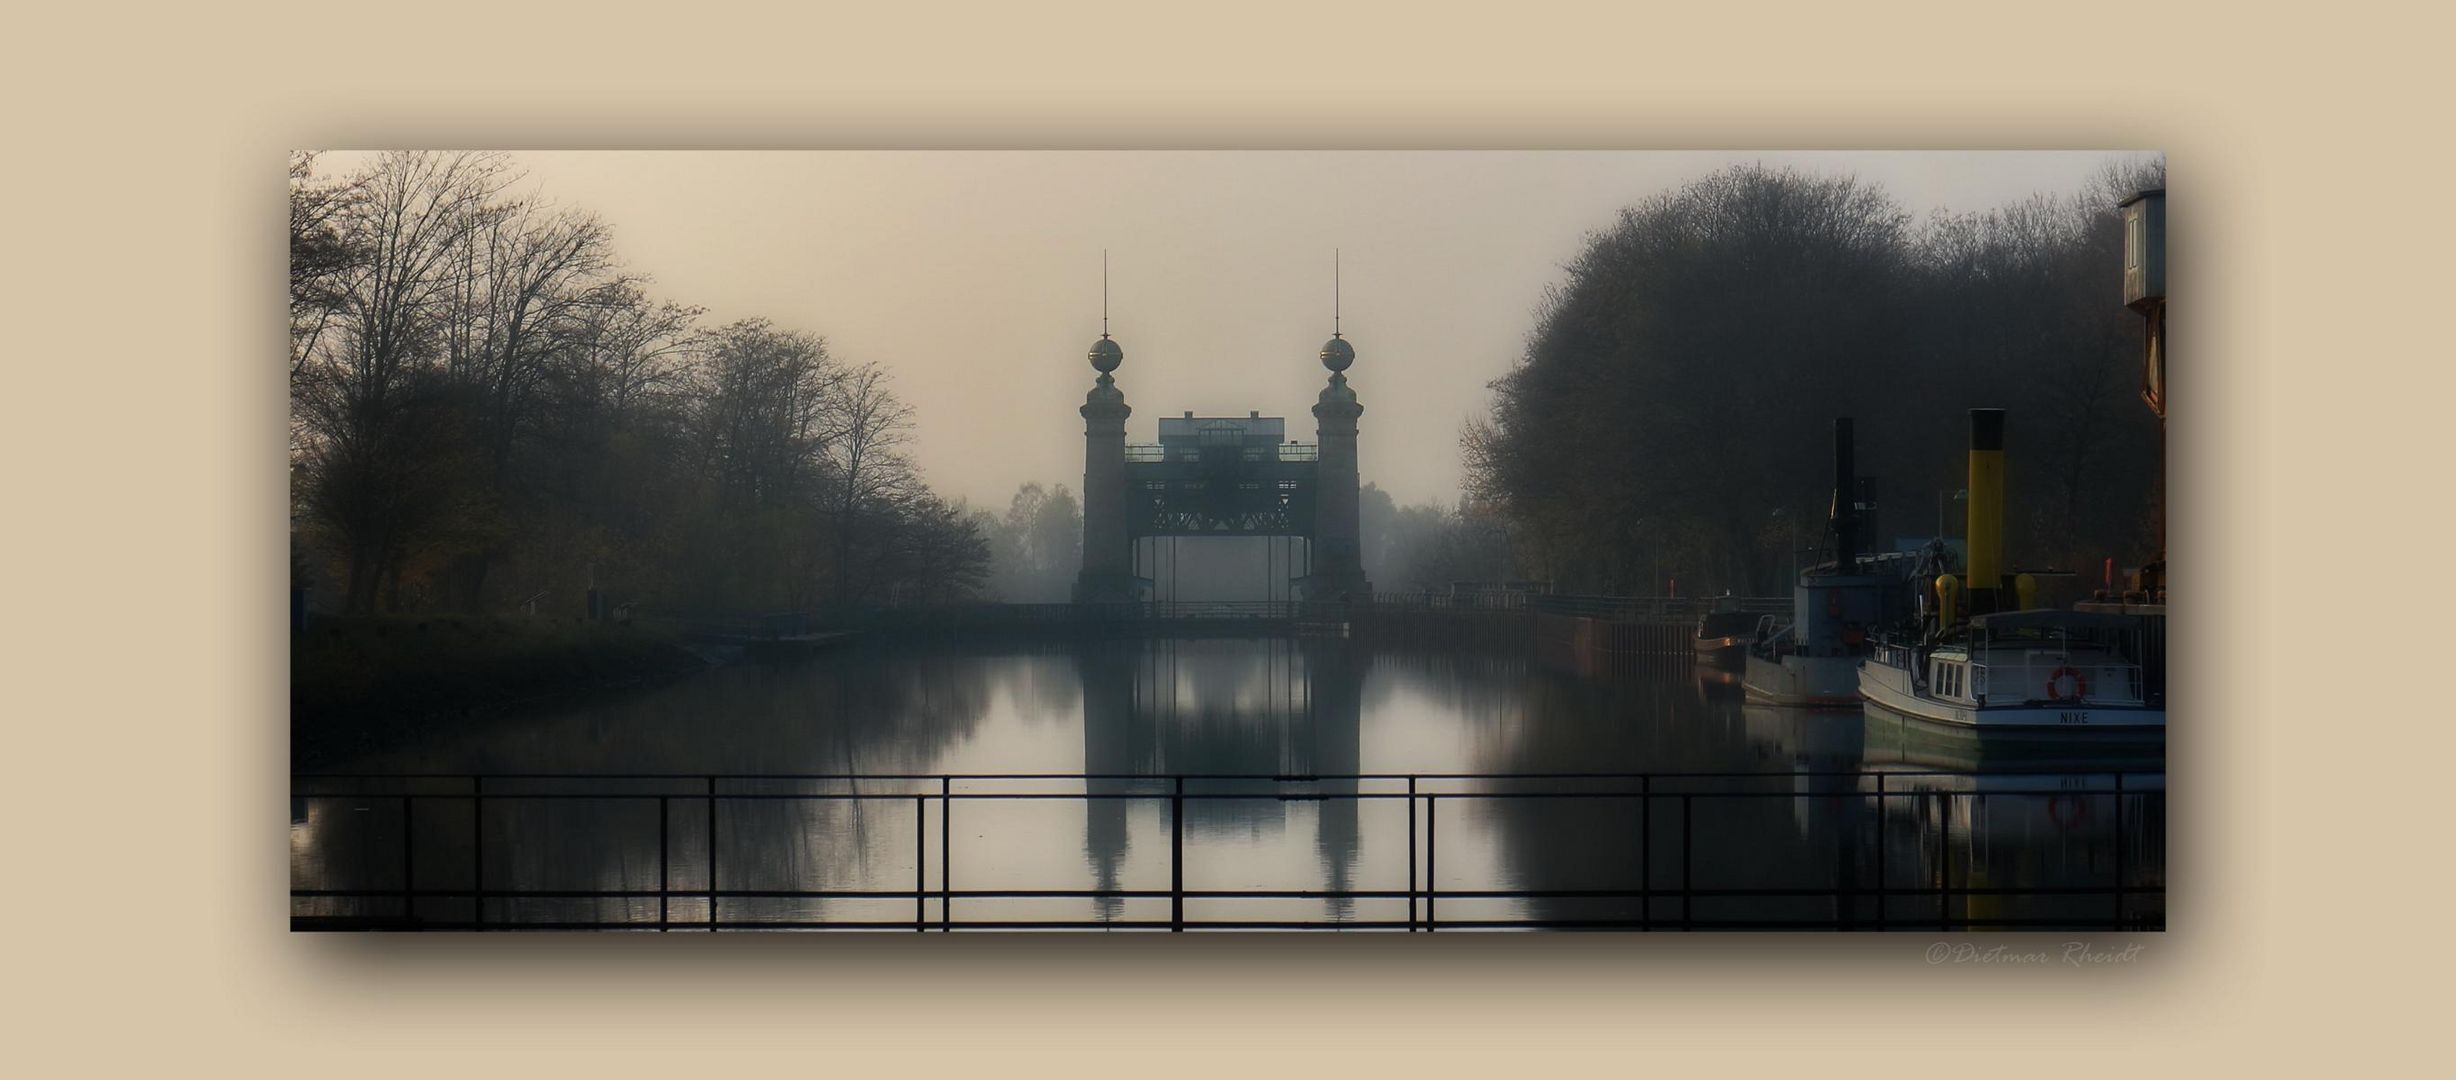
(1206, 796)
(1286, 777)
(1163, 925)
(1226, 894)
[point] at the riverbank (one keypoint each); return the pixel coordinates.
(359, 683)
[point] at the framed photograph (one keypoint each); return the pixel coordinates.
(1167, 541)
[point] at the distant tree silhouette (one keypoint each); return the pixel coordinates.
(487, 409)
(1670, 416)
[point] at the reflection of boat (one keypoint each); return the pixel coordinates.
(1835, 608)
(2069, 813)
(1715, 683)
(1823, 751)
(2018, 669)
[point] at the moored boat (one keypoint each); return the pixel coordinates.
(1814, 661)
(1723, 634)
(1836, 608)
(2044, 668)
(1979, 654)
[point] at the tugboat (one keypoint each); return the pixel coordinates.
(1836, 609)
(1998, 661)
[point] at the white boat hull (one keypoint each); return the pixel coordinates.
(1889, 688)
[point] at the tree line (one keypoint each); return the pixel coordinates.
(1671, 415)
(489, 410)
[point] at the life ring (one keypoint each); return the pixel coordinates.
(2055, 682)
(2067, 811)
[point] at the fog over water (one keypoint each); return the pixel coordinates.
(974, 277)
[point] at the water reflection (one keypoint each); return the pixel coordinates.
(1929, 848)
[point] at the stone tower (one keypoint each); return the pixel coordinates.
(1107, 576)
(1338, 555)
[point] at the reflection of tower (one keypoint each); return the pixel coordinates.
(1275, 709)
(1335, 676)
(1117, 741)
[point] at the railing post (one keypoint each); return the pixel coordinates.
(665, 875)
(946, 846)
(920, 863)
(1411, 854)
(712, 854)
(1944, 860)
(1176, 858)
(1432, 857)
(2119, 882)
(1687, 845)
(409, 888)
(1645, 852)
(477, 851)
(1881, 883)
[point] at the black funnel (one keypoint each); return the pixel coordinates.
(1843, 519)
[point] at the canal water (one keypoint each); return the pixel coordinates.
(1829, 819)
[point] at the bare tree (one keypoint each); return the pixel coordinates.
(870, 472)
(531, 280)
(359, 391)
(320, 251)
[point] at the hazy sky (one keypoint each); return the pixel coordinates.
(975, 276)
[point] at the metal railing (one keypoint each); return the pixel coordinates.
(1487, 600)
(768, 626)
(997, 614)
(2107, 678)
(1653, 608)
(1156, 452)
(1660, 905)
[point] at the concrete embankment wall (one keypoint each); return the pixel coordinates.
(1595, 647)
(1449, 629)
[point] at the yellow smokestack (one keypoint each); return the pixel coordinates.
(1986, 509)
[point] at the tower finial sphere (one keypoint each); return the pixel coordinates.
(1105, 355)
(1337, 354)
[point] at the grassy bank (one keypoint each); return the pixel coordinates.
(358, 683)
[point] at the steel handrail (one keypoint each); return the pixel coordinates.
(1426, 888)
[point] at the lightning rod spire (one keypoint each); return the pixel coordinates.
(1334, 292)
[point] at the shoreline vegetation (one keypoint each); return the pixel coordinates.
(358, 683)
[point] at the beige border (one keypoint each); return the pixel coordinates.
(143, 418)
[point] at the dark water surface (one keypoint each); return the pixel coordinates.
(2045, 826)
